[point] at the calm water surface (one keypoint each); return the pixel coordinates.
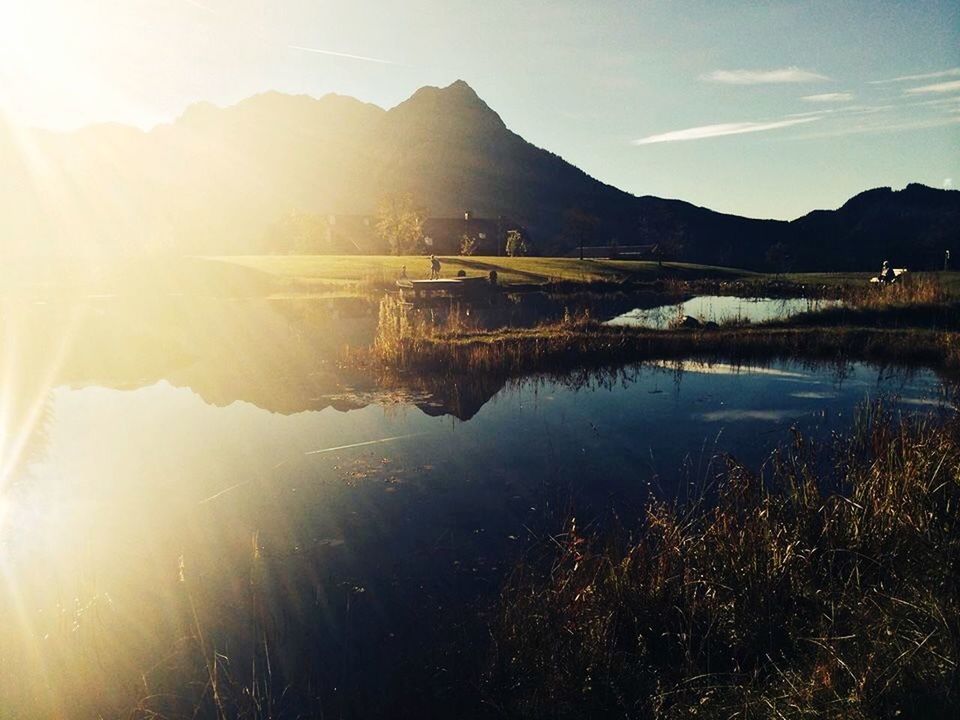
(720, 309)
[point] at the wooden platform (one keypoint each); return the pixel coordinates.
(443, 287)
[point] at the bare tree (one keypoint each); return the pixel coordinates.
(468, 244)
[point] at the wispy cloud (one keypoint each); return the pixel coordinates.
(763, 77)
(943, 87)
(937, 102)
(709, 131)
(349, 56)
(848, 110)
(829, 97)
(818, 112)
(952, 72)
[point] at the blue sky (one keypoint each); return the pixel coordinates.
(767, 109)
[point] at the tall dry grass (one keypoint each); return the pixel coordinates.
(799, 593)
(908, 290)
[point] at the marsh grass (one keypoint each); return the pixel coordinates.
(910, 290)
(794, 592)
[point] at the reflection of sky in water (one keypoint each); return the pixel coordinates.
(112, 455)
(719, 308)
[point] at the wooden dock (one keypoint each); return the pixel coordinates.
(413, 290)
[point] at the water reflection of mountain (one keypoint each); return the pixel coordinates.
(284, 356)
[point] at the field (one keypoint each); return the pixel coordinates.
(334, 269)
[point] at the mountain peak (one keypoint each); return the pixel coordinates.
(457, 102)
(458, 91)
(461, 87)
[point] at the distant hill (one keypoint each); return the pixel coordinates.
(909, 227)
(218, 179)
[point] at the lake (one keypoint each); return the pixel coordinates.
(169, 467)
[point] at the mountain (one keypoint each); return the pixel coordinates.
(217, 180)
(912, 227)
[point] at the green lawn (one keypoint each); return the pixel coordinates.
(334, 269)
(308, 275)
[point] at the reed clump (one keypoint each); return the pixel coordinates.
(811, 589)
(908, 290)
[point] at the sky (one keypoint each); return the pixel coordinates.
(765, 109)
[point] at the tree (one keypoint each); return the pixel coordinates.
(516, 245)
(580, 226)
(468, 244)
(670, 248)
(779, 258)
(400, 223)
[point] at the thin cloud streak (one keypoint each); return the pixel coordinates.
(349, 56)
(763, 77)
(819, 112)
(720, 130)
(943, 87)
(927, 76)
(848, 110)
(829, 97)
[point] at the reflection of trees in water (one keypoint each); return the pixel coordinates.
(280, 355)
(500, 310)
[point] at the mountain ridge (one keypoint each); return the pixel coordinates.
(215, 179)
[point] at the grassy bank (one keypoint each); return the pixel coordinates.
(781, 599)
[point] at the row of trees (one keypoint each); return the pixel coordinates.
(400, 222)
